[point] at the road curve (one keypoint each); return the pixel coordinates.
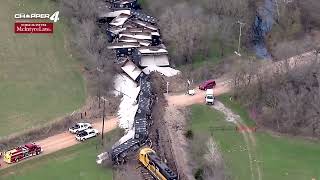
(182, 100)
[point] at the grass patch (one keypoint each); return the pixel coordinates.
(237, 108)
(229, 141)
(285, 158)
(282, 157)
(288, 158)
(74, 163)
(40, 81)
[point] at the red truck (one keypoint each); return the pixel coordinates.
(22, 152)
(209, 84)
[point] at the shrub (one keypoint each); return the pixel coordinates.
(199, 174)
(189, 134)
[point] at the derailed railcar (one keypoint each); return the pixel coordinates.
(119, 4)
(119, 153)
(142, 122)
(140, 28)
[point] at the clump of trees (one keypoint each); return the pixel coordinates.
(294, 20)
(310, 14)
(191, 28)
(90, 43)
(285, 98)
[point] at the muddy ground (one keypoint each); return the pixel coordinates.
(159, 134)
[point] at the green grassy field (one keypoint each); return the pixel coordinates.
(40, 81)
(74, 163)
(229, 142)
(278, 157)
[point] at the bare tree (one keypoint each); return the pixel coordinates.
(213, 162)
(91, 44)
(193, 28)
(80, 10)
(287, 99)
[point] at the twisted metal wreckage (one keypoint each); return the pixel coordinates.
(136, 40)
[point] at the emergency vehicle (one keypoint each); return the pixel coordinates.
(22, 152)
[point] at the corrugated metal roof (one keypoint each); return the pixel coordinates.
(123, 45)
(127, 39)
(120, 20)
(139, 35)
(124, 1)
(144, 42)
(116, 30)
(152, 50)
(131, 69)
(145, 24)
(160, 60)
(115, 13)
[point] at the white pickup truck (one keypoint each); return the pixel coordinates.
(86, 134)
(79, 127)
(210, 97)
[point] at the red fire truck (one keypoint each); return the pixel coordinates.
(21, 152)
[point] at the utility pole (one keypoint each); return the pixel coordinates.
(99, 85)
(238, 52)
(103, 116)
(278, 11)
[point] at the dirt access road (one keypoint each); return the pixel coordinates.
(65, 140)
(249, 139)
(224, 84)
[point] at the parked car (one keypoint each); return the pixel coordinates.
(191, 92)
(79, 127)
(86, 134)
(209, 84)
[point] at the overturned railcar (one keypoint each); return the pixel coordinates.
(136, 37)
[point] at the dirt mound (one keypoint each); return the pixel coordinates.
(159, 84)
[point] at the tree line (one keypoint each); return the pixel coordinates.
(286, 100)
(90, 43)
(191, 28)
